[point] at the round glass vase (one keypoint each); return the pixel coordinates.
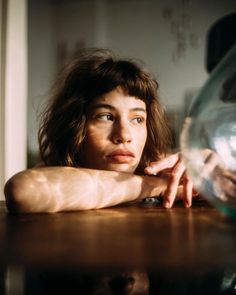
(208, 137)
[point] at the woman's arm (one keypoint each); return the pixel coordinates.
(54, 189)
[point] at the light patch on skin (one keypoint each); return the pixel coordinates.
(49, 190)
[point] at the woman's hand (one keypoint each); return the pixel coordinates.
(174, 168)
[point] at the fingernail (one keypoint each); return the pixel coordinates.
(187, 205)
(167, 204)
(148, 170)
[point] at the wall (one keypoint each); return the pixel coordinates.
(143, 29)
(41, 59)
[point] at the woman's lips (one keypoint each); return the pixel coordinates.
(121, 156)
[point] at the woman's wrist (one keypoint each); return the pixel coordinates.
(153, 186)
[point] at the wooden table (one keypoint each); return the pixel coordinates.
(174, 242)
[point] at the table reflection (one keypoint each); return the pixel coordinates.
(126, 282)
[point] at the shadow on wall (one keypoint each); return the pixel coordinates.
(178, 114)
(220, 39)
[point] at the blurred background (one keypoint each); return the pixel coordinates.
(39, 37)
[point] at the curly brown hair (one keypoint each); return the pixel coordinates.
(92, 74)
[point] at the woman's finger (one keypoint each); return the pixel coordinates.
(187, 192)
(163, 164)
(173, 183)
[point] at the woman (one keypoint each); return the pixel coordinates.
(102, 131)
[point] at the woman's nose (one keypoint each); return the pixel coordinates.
(122, 133)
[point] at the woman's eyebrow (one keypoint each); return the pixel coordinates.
(102, 105)
(110, 107)
(138, 109)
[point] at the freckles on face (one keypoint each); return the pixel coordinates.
(116, 132)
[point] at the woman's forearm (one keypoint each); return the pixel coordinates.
(54, 189)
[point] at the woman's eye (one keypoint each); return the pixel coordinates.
(138, 120)
(105, 117)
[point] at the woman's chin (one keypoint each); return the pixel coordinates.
(121, 168)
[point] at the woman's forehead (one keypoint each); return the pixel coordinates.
(118, 97)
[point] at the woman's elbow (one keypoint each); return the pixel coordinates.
(15, 191)
(30, 191)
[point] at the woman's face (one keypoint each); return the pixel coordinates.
(116, 132)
